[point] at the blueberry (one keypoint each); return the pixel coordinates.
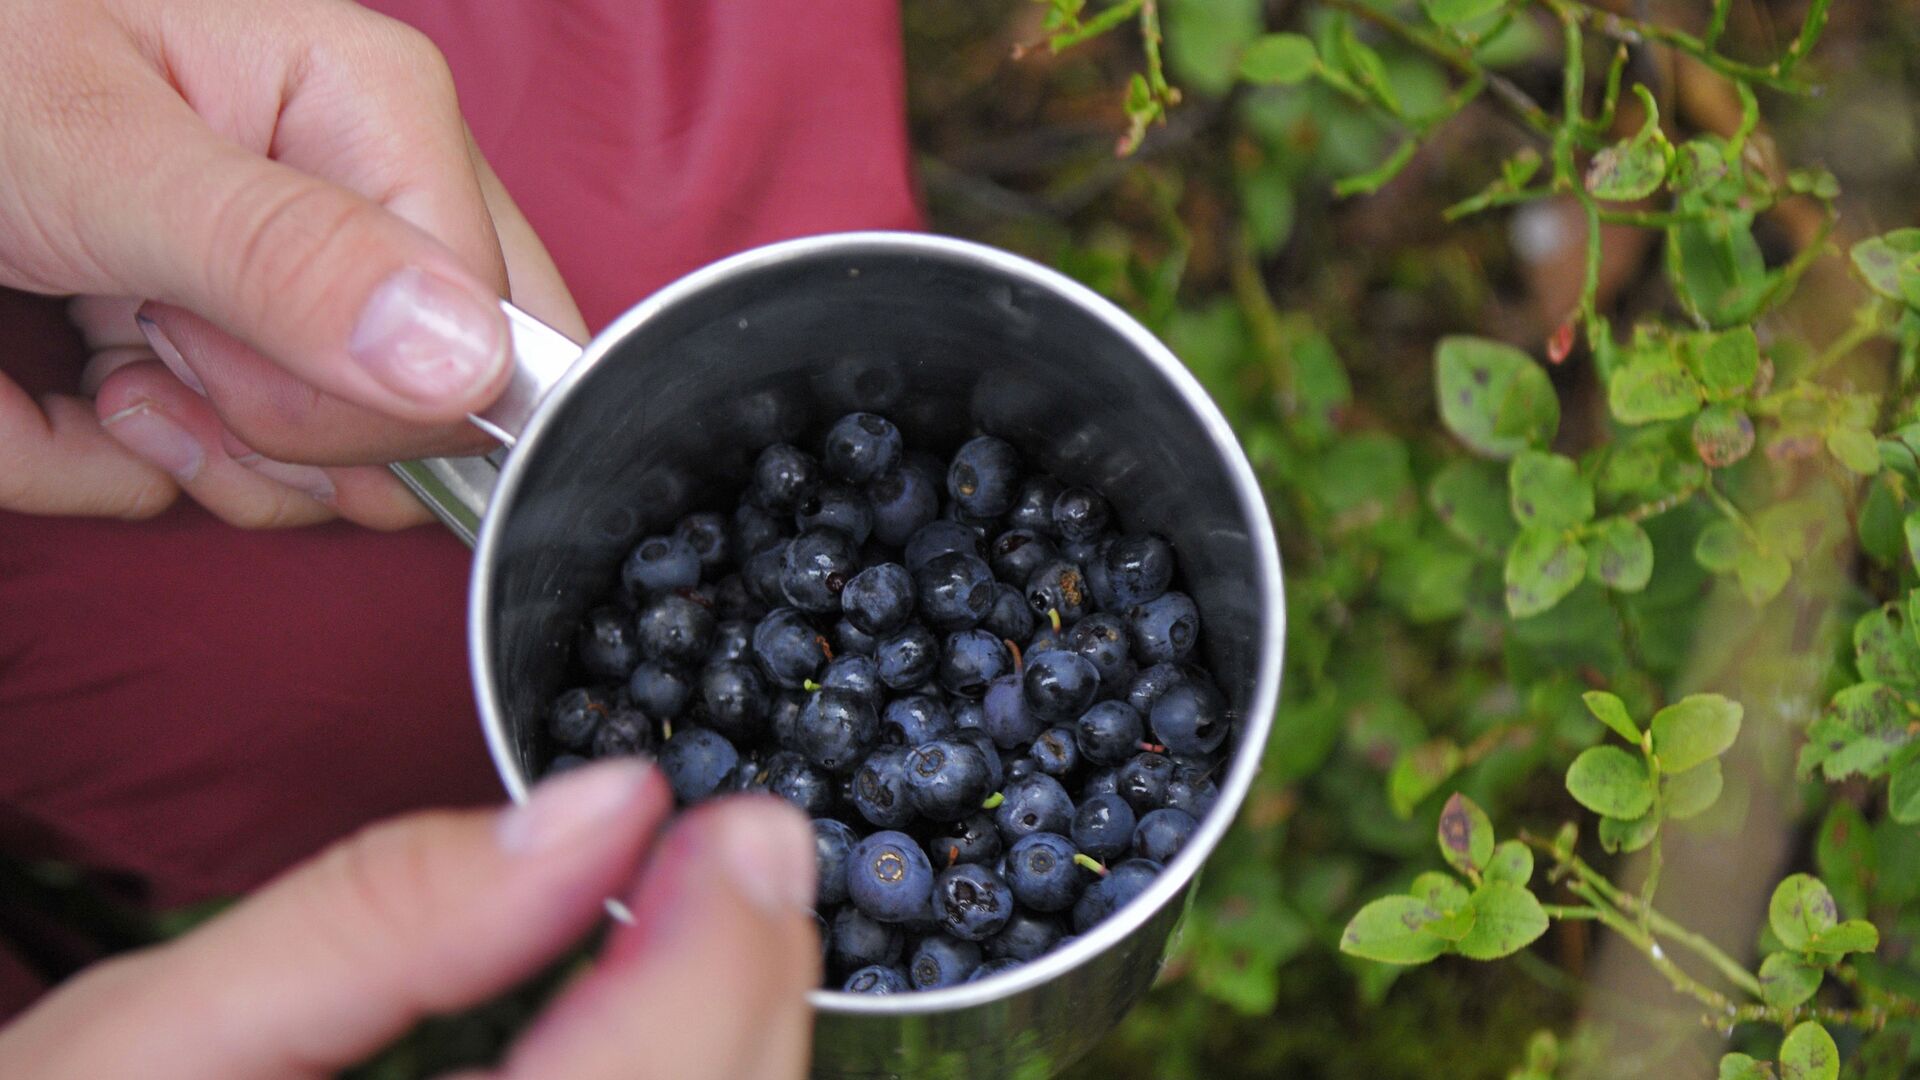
(836, 729)
(789, 649)
(1025, 937)
(607, 646)
(706, 534)
(625, 732)
(972, 902)
(1102, 639)
(1103, 782)
(1079, 515)
(1042, 874)
(1139, 568)
(1164, 628)
(861, 447)
(907, 659)
(1059, 590)
(575, 715)
(1008, 616)
(858, 939)
(1190, 718)
(1009, 720)
(819, 563)
(784, 720)
(1055, 752)
(754, 530)
(972, 659)
(942, 961)
(733, 700)
(993, 967)
(877, 979)
(1103, 826)
(659, 690)
(969, 715)
(1109, 733)
(733, 601)
(1032, 509)
(565, 763)
(782, 476)
(1017, 553)
(880, 788)
(1192, 790)
(903, 502)
(732, 640)
(1020, 767)
(836, 507)
(972, 839)
(1104, 897)
(660, 564)
(850, 640)
(762, 573)
(856, 673)
(1149, 684)
(984, 478)
(996, 768)
(790, 777)
(674, 628)
(914, 719)
(1060, 684)
(697, 762)
(879, 599)
(833, 845)
(1100, 582)
(1162, 833)
(941, 538)
(749, 775)
(947, 779)
(1034, 804)
(889, 877)
(953, 591)
(1143, 781)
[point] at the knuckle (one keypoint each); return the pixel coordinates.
(271, 236)
(375, 887)
(272, 507)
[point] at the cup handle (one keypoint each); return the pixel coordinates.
(457, 489)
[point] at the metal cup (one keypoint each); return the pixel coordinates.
(670, 404)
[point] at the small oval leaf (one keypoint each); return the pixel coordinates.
(1607, 780)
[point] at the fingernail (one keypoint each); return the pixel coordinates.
(169, 355)
(767, 850)
(145, 430)
(425, 338)
(569, 807)
(309, 479)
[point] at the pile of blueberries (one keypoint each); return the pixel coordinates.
(978, 689)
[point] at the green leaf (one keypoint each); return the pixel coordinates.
(1881, 258)
(1204, 37)
(1884, 650)
(1852, 936)
(1801, 908)
(1429, 581)
(1362, 64)
(1608, 780)
(1742, 1067)
(1695, 729)
(1620, 555)
(1453, 914)
(1903, 794)
(1451, 13)
(1418, 772)
(1470, 499)
(1762, 574)
(1719, 546)
(1716, 268)
(1611, 711)
(1548, 491)
(1633, 168)
(1809, 1054)
(1512, 863)
(1691, 793)
(1506, 919)
(1393, 930)
(1543, 566)
(1855, 448)
(1845, 856)
(1618, 835)
(1786, 980)
(1862, 729)
(1652, 388)
(1494, 397)
(1722, 435)
(1279, 60)
(1466, 836)
(1725, 362)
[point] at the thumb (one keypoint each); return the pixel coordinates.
(422, 915)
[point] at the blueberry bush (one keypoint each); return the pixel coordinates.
(1584, 394)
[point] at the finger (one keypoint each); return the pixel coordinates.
(59, 461)
(711, 980)
(418, 916)
(105, 322)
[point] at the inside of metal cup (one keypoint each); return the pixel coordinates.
(673, 403)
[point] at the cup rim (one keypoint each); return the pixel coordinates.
(1254, 725)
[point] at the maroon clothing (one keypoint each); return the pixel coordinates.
(202, 706)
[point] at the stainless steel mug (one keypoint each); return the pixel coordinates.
(613, 442)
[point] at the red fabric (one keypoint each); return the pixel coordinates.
(203, 705)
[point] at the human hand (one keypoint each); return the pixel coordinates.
(437, 911)
(320, 240)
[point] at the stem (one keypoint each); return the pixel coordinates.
(1729, 511)
(1094, 27)
(1524, 108)
(1635, 31)
(1682, 982)
(1868, 320)
(1718, 24)
(1150, 39)
(1569, 911)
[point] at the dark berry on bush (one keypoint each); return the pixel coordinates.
(697, 762)
(819, 563)
(938, 538)
(889, 877)
(782, 476)
(907, 658)
(879, 599)
(1060, 684)
(789, 649)
(607, 646)
(984, 478)
(1026, 936)
(1190, 718)
(1103, 826)
(877, 979)
(1010, 722)
(674, 628)
(733, 700)
(914, 719)
(1034, 804)
(1055, 752)
(1143, 781)
(1164, 628)
(836, 729)
(1079, 515)
(1162, 833)
(971, 902)
(858, 939)
(1059, 590)
(947, 779)
(1017, 553)
(942, 961)
(971, 659)
(1042, 874)
(575, 715)
(861, 447)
